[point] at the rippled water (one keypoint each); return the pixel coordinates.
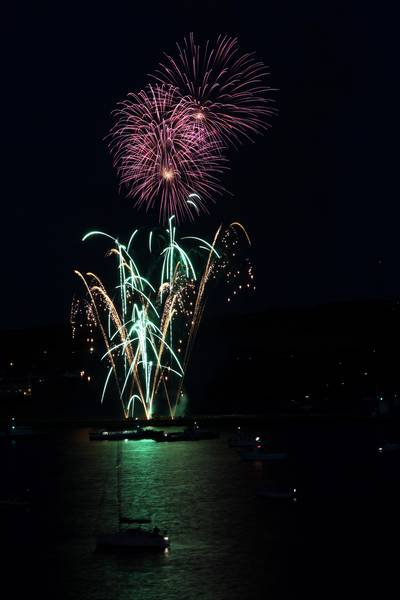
(226, 542)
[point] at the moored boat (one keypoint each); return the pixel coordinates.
(127, 538)
(13, 504)
(190, 434)
(389, 447)
(15, 431)
(131, 539)
(278, 493)
(134, 538)
(260, 454)
(242, 440)
(139, 433)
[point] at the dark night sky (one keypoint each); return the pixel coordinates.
(318, 194)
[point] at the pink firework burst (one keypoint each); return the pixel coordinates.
(223, 88)
(160, 157)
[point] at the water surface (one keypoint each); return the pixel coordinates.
(226, 541)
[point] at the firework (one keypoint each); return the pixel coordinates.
(160, 158)
(223, 88)
(148, 327)
(168, 140)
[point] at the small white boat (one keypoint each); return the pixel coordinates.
(389, 447)
(277, 493)
(21, 430)
(258, 454)
(17, 431)
(190, 434)
(13, 503)
(240, 440)
(134, 539)
(131, 538)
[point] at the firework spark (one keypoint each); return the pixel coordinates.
(160, 158)
(148, 328)
(223, 88)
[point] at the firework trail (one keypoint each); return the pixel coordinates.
(148, 328)
(160, 158)
(226, 263)
(223, 88)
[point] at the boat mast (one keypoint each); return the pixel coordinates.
(118, 466)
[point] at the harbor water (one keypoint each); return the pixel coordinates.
(227, 542)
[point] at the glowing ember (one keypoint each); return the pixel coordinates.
(167, 173)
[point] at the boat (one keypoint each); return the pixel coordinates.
(277, 493)
(259, 454)
(197, 433)
(389, 447)
(190, 434)
(131, 520)
(131, 539)
(18, 501)
(139, 433)
(14, 504)
(136, 538)
(15, 431)
(241, 440)
(177, 436)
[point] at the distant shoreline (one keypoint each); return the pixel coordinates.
(210, 420)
